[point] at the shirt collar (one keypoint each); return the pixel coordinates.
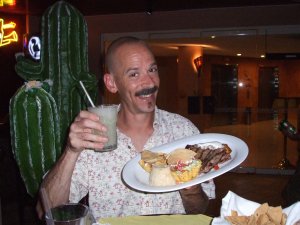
(156, 118)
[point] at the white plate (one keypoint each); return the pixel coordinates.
(136, 177)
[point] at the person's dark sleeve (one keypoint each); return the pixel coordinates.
(194, 200)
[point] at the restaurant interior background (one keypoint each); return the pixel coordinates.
(244, 95)
(240, 95)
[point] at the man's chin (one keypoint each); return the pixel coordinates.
(147, 107)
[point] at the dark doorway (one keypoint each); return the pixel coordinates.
(224, 93)
(268, 86)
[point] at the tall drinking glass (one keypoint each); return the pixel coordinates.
(108, 116)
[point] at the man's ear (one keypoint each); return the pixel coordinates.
(110, 83)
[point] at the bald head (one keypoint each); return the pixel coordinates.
(116, 44)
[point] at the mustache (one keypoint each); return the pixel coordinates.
(147, 91)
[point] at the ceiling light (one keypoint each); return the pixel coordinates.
(239, 54)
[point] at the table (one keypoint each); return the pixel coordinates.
(198, 219)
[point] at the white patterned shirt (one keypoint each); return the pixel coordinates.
(99, 174)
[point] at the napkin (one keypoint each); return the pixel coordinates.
(246, 207)
(155, 220)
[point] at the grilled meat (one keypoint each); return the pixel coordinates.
(211, 154)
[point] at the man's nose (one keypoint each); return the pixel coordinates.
(149, 78)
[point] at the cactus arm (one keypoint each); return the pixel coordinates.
(34, 133)
(22, 71)
(20, 141)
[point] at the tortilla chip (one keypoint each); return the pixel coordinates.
(262, 219)
(283, 219)
(237, 220)
(262, 209)
(263, 215)
(149, 158)
(252, 220)
(234, 213)
(152, 157)
(275, 214)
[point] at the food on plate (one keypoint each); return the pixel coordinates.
(148, 159)
(184, 167)
(211, 154)
(161, 176)
(186, 163)
(263, 215)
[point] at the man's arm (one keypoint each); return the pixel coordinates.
(194, 199)
(58, 181)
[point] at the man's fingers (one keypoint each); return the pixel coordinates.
(86, 139)
(87, 132)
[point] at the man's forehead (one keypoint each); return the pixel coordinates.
(134, 48)
(131, 44)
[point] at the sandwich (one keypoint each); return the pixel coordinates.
(183, 164)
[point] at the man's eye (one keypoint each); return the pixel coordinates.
(133, 74)
(153, 70)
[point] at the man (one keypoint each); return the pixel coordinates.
(133, 74)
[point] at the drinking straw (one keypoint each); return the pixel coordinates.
(87, 94)
(47, 207)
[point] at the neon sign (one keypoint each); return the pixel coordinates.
(7, 35)
(7, 2)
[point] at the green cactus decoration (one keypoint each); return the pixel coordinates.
(63, 60)
(35, 131)
(64, 63)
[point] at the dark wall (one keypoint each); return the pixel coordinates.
(9, 80)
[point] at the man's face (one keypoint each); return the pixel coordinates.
(136, 77)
